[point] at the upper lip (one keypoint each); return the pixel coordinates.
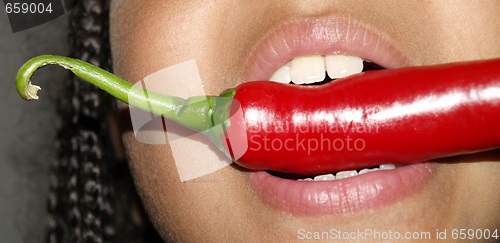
(329, 35)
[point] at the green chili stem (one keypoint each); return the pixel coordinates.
(196, 113)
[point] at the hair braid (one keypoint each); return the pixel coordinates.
(79, 203)
(92, 197)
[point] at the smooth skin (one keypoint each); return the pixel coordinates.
(148, 36)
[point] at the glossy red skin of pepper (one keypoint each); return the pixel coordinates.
(403, 116)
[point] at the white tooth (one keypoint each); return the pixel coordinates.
(346, 174)
(387, 167)
(339, 66)
(308, 69)
(282, 75)
(363, 171)
(327, 177)
(308, 179)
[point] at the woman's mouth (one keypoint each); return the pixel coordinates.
(315, 52)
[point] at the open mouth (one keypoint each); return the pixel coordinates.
(314, 53)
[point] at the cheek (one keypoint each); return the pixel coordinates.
(156, 181)
(175, 207)
(148, 36)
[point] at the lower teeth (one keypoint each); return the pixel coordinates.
(349, 173)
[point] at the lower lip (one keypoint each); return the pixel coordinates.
(368, 191)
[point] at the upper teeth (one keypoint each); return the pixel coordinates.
(339, 66)
(312, 69)
(308, 69)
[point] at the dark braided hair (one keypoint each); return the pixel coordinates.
(92, 196)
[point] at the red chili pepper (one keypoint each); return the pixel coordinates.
(399, 116)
